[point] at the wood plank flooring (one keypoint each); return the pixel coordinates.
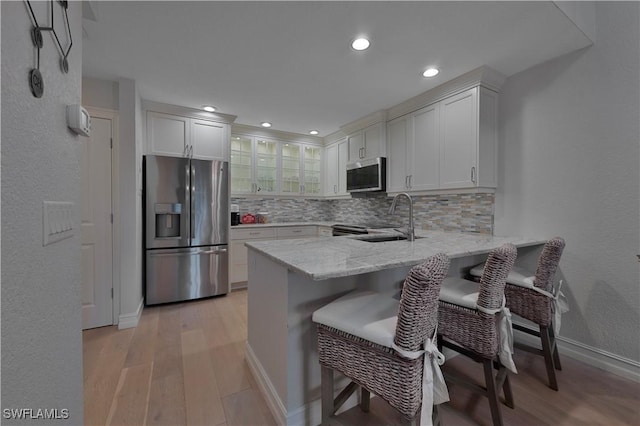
(184, 365)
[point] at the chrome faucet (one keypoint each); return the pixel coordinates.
(410, 233)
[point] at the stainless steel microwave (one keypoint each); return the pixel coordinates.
(367, 175)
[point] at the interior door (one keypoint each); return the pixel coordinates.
(97, 280)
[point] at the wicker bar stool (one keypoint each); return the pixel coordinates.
(534, 297)
(473, 321)
(386, 346)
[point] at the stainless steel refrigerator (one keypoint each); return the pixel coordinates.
(186, 204)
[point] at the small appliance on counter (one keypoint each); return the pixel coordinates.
(235, 214)
(262, 217)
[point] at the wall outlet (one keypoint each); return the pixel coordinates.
(57, 221)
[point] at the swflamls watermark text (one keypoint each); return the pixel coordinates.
(35, 413)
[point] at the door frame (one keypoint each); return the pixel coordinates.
(112, 115)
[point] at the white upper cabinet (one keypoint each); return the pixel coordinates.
(178, 136)
(367, 143)
(450, 144)
(266, 167)
(209, 140)
(167, 134)
(336, 168)
(254, 165)
(468, 146)
(301, 169)
(311, 170)
(413, 154)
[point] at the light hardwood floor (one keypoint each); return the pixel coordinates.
(184, 365)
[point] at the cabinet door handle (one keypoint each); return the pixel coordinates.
(335, 189)
(406, 182)
(473, 174)
(410, 179)
(184, 151)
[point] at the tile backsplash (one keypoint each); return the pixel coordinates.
(455, 212)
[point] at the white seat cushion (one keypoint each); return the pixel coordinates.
(459, 291)
(365, 314)
(518, 276)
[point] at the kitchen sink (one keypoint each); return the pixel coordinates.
(382, 238)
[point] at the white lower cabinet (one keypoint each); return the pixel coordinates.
(238, 256)
(238, 251)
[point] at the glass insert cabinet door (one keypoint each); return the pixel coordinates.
(291, 168)
(241, 165)
(266, 166)
(312, 166)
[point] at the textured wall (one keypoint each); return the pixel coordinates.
(459, 212)
(41, 313)
(569, 133)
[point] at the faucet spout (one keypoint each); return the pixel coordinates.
(410, 234)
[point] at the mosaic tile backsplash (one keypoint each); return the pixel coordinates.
(455, 212)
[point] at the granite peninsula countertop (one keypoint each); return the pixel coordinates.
(331, 257)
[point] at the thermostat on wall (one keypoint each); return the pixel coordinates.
(78, 120)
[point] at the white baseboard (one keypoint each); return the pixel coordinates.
(131, 320)
(607, 361)
(266, 387)
(310, 413)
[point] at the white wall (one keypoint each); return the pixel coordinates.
(41, 307)
(569, 166)
(130, 158)
(100, 93)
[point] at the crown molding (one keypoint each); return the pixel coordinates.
(280, 135)
(366, 121)
(481, 76)
(334, 137)
(187, 112)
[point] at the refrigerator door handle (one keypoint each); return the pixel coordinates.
(192, 219)
(187, 196)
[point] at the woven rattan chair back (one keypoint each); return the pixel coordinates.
(548, 263)
(494, 277)
(418, 312)
(379, 369)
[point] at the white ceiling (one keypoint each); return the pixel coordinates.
(291, 62)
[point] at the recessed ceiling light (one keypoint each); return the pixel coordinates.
(360, 43)
(265, 124)
(313, 132)
(209, 108)
(431, 72)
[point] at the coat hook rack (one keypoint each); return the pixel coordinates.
(36, 82)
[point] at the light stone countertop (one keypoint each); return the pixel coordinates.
(281, 224)
(331, 257)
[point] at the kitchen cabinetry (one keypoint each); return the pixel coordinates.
(336, 168)
(469, 139)
(413, 154)
(367, 143)
(301, 169)
(238, 251)
(262, 166)
(254, 165)
(178, 136)
(450, 144)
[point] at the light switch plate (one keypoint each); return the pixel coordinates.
(57, 221)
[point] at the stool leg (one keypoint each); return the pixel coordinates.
(326, 385)
(492, 393)
(365, 396)
(548, 357)
(554, 345)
